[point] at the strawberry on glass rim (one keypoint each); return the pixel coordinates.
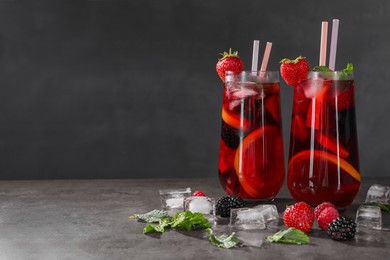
(294, 71)
(230, 61)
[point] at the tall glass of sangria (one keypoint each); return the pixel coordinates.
(323, 155)
(251, 159)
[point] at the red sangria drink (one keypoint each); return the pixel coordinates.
(323, 155)
(251, 159)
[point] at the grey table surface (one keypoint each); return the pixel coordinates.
(88, 219)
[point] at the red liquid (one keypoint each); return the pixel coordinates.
(251, 160)
(323, 157)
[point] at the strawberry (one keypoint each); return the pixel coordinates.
(293, 71)
(300, 216)
(198, 194)
(229, 62)
(326, 216)
(299, 129)
(321, 207)
(345, 100)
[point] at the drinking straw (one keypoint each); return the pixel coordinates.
(333, 44)
(267, 52)
(255, 55)
(324, 39)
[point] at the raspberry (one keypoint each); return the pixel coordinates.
(199, 194)
(321, 207)
(300, 216)
(326, 216)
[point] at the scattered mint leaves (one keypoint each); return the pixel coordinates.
(159, 220)
(160, 227)
(153, 216)
(322, 68)
(382, 206)
(224, 240)
(290, 236)
(189, 221)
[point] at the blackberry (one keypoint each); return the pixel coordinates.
(224, 205)
(342, 228)
(230, 136)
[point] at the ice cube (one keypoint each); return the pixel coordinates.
(378, 193)
(200, 204)
(369, 217)
(312, 87)
(174, 198)
(258, 217)
(242, 90)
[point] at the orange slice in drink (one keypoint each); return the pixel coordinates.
(330, 143)
(301, 161)
(234, 120)
(259, 162)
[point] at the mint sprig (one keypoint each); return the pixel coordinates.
(224, 240)
(290, 236)
(160, 227)
(189, 221)
(159, 221)
(345, 73)
(322, 68)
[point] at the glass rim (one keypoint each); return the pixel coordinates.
(269, 76)
(330, 75)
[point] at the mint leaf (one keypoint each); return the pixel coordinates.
(189, 221)
(153, 216)
(382, 206)
(290, 236)
(349, 69)
(345, 73)
(224, 240)
(322, 68)
(160, 227)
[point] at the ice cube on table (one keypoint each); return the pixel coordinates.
(369, 217)
(378, 193)
(259, 217)
(174, 198)
(200, 204)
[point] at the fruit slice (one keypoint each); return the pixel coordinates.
(299, 129)
(234, 120)
(301, 161)
(259, 162)
(226, 157)
(272, 106)
(330, 143)
(345, 100)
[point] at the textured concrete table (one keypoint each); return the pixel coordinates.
(87, 219)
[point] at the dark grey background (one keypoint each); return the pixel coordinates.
(107, 89)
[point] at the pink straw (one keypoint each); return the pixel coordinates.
(255, 55)
(267, 52)
(333, 44)
(324, 39)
